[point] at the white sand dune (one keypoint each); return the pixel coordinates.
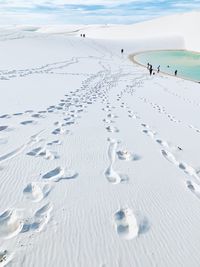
(99, 162)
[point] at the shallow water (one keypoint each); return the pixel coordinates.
(187, 63)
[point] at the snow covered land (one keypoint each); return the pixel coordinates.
(99, 162)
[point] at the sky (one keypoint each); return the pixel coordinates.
(90, 11)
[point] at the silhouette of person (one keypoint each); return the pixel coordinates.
(148, 65)
(150, 70)
(122, 51)
(158, 69)
(175, 73)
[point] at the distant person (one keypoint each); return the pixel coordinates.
(175, 73)
(81, 35)
(150, 70)
(158, 69)
(84, 35)
(148, 65)
(122, 51)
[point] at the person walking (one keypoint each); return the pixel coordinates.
(175, 73)
(150, 70)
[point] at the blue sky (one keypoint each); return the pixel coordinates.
(88, 11)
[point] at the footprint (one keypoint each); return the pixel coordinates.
(2, 128)
(108, 121)
(163, 143)
(5, 116)
(61, 104)
(149, 133)
(113, 116)
(188, 169)
(68, 123)
(34, 152)
(112, 176)
(133, 116)
(145, 125)
(36, 191)
(59, 173)
(39, 220)
(50, 110)
(5, 257)
(51, 107)
(60, 131)
(112, 129)
(128, 156)
(29, 111)
(27, 122)
(194, 128)
(194, 188)
(37, 115)
(10, 224)
(126, 224)
(42, 152)
(57, 123)
(18, 114)
(42, 217)
(55, 142)
(67, 119)
(49, 155)
(169, 156)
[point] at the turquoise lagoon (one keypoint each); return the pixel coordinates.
(187, 63)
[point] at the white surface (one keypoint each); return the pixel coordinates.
(53, 166)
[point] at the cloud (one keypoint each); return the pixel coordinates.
(87, 12)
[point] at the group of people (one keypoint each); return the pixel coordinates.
(150, 68)
(83, 35)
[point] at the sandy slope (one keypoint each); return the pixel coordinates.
(179, 27)
(174, 31)
(99, 162)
